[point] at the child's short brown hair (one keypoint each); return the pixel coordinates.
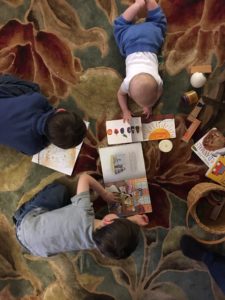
(118, 239)
(66, 129)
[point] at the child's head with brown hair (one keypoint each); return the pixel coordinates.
(118, 239)
(143, 90)
(66, 129)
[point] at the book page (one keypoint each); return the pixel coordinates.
(211, 140)
(136, 129)
(217, 171)
(122, 162)
(134, 197)
(161, 129)
(61, 160)
(57, 158)
(120, 132)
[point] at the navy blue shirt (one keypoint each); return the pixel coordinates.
(23, 115)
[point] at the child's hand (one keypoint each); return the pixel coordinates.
(111, 197)
(127, 116)
(141, 220)
(108, 219)
(147, 111)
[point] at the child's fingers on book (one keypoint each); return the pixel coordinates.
(145, 218)
(116, 194)
(117, 198)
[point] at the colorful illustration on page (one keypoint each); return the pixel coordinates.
(159, 130)
(58, 159)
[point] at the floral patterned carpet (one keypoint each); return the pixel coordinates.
(67, 47)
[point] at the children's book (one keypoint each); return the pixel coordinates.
(159, 127)
(124, 173)
(217, 171)
(119, 132)
(155, 128)
(61, 160)
(206, 146)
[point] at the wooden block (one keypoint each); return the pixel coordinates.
(215, 91)
(195, 112)
(201, 69)
(191, 130)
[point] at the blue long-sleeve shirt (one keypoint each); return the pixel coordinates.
(23, 115)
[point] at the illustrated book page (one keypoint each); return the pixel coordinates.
(159, 127)
(217, 171)
(120, 132)
(61, 160)
(209, 143)
(124, 173)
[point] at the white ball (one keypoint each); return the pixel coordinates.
(198, 80)
(165, 145)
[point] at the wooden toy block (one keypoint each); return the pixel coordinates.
(201, 69)
(215, 91)
(191, 130)
(195, 112)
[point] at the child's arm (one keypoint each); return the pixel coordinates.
(86, 182)
(12, 86)
(122, 99)
(131, 12)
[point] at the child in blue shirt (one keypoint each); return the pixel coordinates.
(28, 123)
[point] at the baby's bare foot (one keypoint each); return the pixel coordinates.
(151, 4)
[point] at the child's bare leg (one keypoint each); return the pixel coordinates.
(131, 12)
(151, 4)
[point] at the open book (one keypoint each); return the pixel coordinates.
(124, 172)
(61, 160)
(210, 142)
(158, 127)
(217, 171)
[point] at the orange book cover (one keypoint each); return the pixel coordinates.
(217, 171)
